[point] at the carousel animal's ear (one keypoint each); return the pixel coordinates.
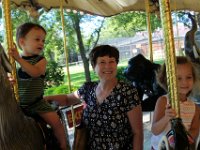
(4, 60)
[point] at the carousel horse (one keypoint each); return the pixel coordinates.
(142, 72)
(191, 43)
(177, 138)
(17, 131)
(192, 49)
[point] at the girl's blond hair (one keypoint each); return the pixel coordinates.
(162, 75)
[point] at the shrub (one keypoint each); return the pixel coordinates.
(54, 74)
(120, 74)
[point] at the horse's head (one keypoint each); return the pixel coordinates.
(191, 41)
(142, 72)
(4, 60)
(5, 67)
(139, 69)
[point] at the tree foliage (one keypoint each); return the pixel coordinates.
(54, 74)
(127, 24)
(182, 16)
(84, 43)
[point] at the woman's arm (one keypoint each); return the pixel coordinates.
(64, 99)
(135, 119)
(162, 115)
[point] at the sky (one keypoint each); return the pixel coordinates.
(90, 26)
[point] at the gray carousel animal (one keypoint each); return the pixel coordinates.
(192, 41)
(192, 49)
(17, 132)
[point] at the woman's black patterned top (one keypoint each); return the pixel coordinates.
(108, 123)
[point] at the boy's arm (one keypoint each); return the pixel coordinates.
(64, 99)
(33, 70)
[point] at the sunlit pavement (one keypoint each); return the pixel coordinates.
(147, 129)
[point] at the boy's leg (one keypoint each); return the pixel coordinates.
(54, 121)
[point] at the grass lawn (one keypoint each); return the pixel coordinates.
(77, 77)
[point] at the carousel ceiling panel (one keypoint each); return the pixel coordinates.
(108, 7)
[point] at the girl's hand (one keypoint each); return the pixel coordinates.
(169, 112)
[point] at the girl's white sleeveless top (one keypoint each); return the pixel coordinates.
(187, 112)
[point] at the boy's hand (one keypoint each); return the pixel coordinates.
(11, 79)
(14, 53)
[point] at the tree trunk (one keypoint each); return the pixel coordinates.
(76, 24)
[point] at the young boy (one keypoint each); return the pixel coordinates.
(31, 38)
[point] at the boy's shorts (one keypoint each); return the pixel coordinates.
(40, 106)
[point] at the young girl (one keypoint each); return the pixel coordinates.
(31, 38)
(189, 111)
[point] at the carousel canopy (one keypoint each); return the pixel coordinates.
(107, 7)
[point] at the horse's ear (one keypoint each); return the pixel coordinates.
(4, 60)
(137, 59)
(140, 56)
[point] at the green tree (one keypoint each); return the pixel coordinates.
(85, 45)
(53, 49)
(127, 24)
(77, 42)
(54, 77)
(182, 16)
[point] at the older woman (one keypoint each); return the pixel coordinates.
(113, 113)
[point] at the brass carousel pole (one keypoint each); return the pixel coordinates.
(9, 40)
(150, 48)
(68, 74)
(178, 130)
(169, 54)
(65, 46)
(148, 18)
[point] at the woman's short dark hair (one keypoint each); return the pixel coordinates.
(103, 50)
(25, 28)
